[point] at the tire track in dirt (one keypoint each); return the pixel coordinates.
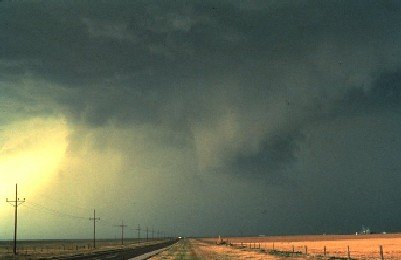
(192, 249)
(182, 250)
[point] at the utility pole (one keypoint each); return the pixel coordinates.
(138, 229)
(15, 204)
(157, 234)
(147, 234)
(122, 226)
(139, 233)
(153, 233)
(94, 228)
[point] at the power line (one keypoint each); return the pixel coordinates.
(139, 232)
(94, 228)
(122, 226)
(47, 210)
(16, 202)
(54, 212)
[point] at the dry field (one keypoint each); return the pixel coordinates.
(192, 249)
(361, 246)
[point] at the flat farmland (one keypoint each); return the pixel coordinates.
(360, 247)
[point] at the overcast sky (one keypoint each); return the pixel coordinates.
(200, 117)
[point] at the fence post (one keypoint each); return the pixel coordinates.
(259, 245)
(293, 250)
(324, 250)
(306, 250)
(273, 246)
(381, 252)
(349, 254)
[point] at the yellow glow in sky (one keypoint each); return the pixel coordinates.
(30, 153)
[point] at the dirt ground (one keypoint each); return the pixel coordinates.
(192, 249)
(360, 247)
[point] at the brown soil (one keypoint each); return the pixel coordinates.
(192, 249)
(361, 246)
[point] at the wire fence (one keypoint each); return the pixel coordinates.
(341, 249)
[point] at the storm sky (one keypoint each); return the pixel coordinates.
(200, 118)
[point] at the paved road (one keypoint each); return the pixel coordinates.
(121, 254)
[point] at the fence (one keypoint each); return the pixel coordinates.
(295, 249)
(372, 247)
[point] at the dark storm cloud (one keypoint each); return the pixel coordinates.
(164, 62)
(241, 84)
(281, 150)
(101, 40)
(273, 155)
(385, 95)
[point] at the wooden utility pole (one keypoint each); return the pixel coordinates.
(138, 229)
(139, 233)
(15, 204)
(122, 226)
(94, 228)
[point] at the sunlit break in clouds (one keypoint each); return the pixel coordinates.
(200, 117)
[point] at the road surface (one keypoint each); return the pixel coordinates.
(120, 254)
